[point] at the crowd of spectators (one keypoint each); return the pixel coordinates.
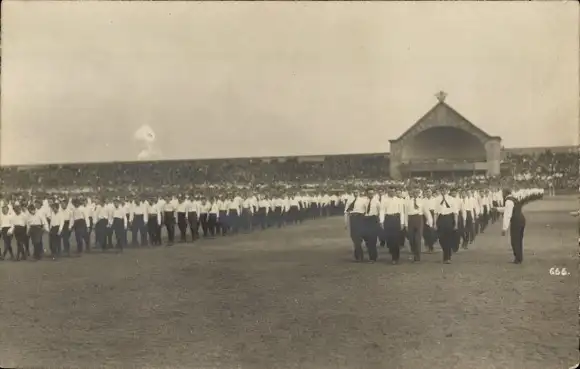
(561, 169)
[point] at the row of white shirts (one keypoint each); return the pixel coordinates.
(385, 205)
(110, 211)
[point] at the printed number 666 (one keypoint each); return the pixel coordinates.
(558, 271)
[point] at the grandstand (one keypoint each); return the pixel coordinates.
(441, 144)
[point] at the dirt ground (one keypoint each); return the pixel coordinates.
(292, 298)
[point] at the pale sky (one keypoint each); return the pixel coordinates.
(266, 79)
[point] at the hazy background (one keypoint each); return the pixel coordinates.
(257, 79)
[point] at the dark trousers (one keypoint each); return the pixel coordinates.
(371, 236)
(154, 229)
(445, 230)
(363, 229)
(278, 216)
(468, 231)
(109, 237)
(392, 234)
(120, 232)
(429, 234)
(101, 230)
(193, 221)
(182, 225)
(65, 235)
(169, 220)
(20, 237)
(415, 233)
(212, 224)
(484, 219)
(494, 214)
(54, 242)
(36, 240)
(261, 218)
(234, 220)
(222, 223)
(203, 222)
(457, 233)
(138, 227)
(7, 243)
(293, 215)
(246, 219)
(403, 237)
(517, 228)
(81, 234)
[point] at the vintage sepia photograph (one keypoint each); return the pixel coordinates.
(277, 185)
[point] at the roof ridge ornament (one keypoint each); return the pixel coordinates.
(441, 95)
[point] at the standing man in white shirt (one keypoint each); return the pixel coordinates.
(429, 234)
(514, 221)
(213, 217)
(203, 216)
(247, 214)
(372, 226)
(169, 209)
(193, 217)
(294, 210)
(233, 214)
(182, 210)
(119, 224)
(263, 211)
(36, 225)
(138, 218)
(19, 223)
(416, 210)
(66, 230)
(392, 218)
(223, 224)
(6, 229)
(154, 221)
(355, 218)
(80, 222)
(446, 220)
(55, 231)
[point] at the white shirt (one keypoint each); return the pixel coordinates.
(102, 212)
(169, 207)
(183, 207)
(422, 209)
(6, 222)
(119, 213)
(204, 208)
(443, 209)
(234, 205)
(294, 201)
(264, 204)
(80, 213)
(66, 214)
(140, 209)
(154, 210)
(57, 220)
(391, 206)
(214, 208)
(247, 204)
(359, 205)
(36, 220)
(508, 211)
(223, 205)
(375, 208)
(19, 219)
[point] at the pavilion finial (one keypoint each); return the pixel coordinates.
(441, 95)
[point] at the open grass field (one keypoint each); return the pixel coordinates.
(292, 298)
